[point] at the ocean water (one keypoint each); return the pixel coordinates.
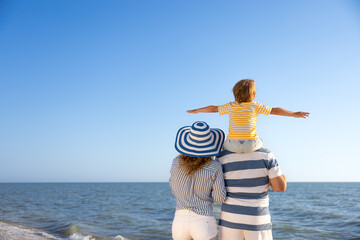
(89, 211)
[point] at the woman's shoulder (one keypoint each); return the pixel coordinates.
(214, 165)
(175, 161)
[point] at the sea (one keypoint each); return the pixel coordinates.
(131, 211)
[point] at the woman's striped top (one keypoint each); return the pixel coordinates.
(242, 119)
(198, 191)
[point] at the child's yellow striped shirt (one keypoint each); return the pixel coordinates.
(243, 116)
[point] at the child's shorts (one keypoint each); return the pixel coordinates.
(243, 146)
(189, 225)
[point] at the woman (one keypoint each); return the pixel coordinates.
(197, 181)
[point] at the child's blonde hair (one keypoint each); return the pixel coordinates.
(244, 90)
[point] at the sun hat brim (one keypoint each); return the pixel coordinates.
(187, 146)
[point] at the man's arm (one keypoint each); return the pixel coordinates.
(283, 112)
(208, 109)
(278, 183)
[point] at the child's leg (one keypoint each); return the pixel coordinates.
(243, 146)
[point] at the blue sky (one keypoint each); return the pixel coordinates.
(96, 90)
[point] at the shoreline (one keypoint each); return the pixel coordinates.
(13, 231)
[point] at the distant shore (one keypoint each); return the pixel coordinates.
(11, 231)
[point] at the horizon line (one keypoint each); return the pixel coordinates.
(168, 182)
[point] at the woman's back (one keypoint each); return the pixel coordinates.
(197, 192)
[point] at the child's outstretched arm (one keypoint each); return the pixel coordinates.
(283, 112)
(208, 109)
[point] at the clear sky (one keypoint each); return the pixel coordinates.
(96, 90)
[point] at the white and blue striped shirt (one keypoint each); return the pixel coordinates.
(247, 184)
(198, 191)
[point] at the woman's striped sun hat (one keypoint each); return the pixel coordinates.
(199, 140)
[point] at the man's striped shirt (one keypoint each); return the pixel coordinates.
(247, 183)
(198, 191)
(242, 119)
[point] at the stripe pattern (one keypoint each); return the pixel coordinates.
(242, 119)
(246, 179)
(199, 140)
(198, 191)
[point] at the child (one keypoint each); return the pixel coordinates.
(243, 113)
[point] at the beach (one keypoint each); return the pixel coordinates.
(10, 231)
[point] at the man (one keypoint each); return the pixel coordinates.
(245, 213)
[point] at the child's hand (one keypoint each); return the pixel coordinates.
(192, 111)
(301, 114)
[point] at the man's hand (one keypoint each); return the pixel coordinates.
(301, 114)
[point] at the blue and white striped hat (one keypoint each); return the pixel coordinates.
(199, 140)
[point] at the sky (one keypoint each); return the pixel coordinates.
(95, 91)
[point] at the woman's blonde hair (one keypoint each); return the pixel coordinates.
(244, 90)
(193, 164)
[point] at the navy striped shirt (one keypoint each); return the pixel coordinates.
(247, 184)
(198, 191)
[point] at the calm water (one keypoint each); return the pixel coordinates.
(145, 210)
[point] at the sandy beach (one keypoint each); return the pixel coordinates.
(10, 231)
